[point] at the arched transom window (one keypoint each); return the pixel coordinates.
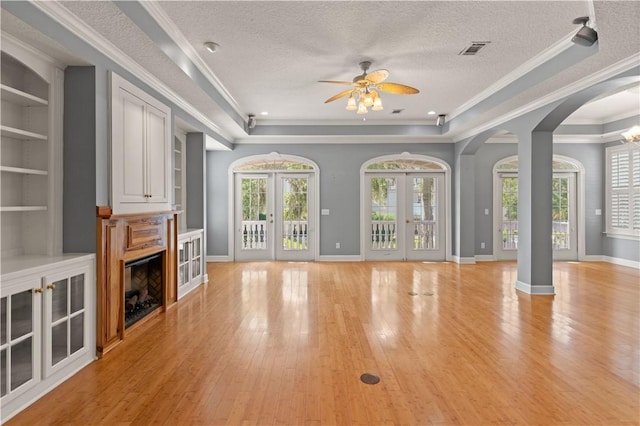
(274, 163)
(405, 164)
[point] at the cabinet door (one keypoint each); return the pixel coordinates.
(66, 319)
(157, 155)
(20, 310)
(184, 256)
(128, 137)
(196, 256)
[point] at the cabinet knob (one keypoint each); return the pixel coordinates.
(36, 290)
(51, 286)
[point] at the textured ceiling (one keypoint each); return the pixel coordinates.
(272, 54)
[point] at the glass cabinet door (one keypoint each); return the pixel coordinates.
(196, 257)
(65, 318)
(184, 255)
(19, 339)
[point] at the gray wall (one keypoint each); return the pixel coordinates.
(340, 191)
(195, 175)
(339, 187)
(79, 157)
(591, 157)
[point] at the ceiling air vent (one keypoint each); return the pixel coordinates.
(397, 111)
(474, 48)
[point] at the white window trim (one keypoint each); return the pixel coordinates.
(315, 171)
(446, 170)
(634, 195)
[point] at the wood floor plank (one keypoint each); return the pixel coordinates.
(269, 343)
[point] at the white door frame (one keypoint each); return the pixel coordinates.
(579, 200)
(445, 169)
(274, 157)
(280, 252)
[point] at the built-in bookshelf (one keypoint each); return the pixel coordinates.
(179, 179)
(29, 86)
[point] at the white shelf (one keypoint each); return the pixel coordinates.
(19, 97)
(12, 132)
(23, 171)
(23, 208)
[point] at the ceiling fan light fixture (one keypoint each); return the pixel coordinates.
(377, 103)
(365, 90)
(368, 98)
(351, 104)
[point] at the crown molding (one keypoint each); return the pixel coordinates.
(341, 139)
(560, 94)
(81, 30)
(172, 30)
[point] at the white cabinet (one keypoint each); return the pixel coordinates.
(190, 261)
(30, 153)
(47, 322)
(140, 150)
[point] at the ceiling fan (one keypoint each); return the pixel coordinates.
(366, 86)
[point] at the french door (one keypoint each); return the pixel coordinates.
(564, 238)
(274, 216)
(404, 216)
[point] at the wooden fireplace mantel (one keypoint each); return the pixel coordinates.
(120, 239)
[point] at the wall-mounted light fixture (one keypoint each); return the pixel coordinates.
(585, 36)
(251, 123)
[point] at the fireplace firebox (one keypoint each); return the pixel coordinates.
(142, 288)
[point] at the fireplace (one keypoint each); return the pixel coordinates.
(136, 272)
(142, 288)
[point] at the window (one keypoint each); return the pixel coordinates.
(623, 190)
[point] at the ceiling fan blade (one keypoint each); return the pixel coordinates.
(377, 76)
(398, 89)
(338, 96)
(348, 83)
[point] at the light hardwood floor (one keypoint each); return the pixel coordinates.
(286, 343)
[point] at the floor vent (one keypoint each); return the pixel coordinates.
(474, 48)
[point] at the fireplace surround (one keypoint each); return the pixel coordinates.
(126, 240)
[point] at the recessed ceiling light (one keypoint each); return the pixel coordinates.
(211, 46)
(264, 113)
(431, 113)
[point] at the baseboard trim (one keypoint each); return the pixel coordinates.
(464, 260)
(535, 290)
(622, 262)
(592, 258)
(219, 259)
(344, 258)
(485, 258)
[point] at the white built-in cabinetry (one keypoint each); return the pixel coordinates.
(140, 150)
(190, 261)
(47, 325)
(30, 152)
(47, 302)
